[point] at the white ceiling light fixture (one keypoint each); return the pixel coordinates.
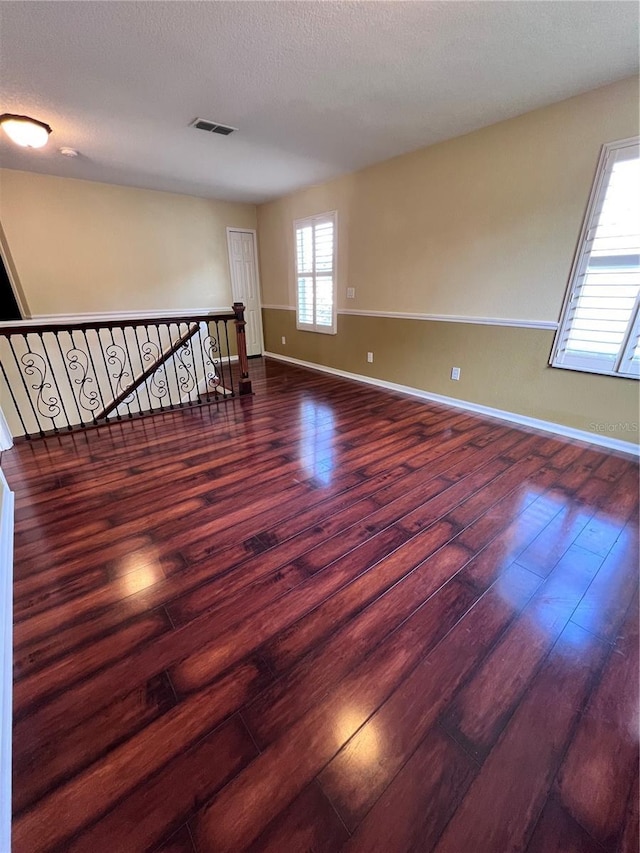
(68, 152)
(25, 131)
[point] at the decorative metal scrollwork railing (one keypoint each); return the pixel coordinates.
(58, 377)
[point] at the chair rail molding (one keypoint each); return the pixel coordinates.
(438, 318)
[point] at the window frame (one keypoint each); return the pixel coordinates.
(312, 220)
(606, 161)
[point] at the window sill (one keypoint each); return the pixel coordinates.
(594, 371)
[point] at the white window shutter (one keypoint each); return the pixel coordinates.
(315, 240)
(630, 359)
(602, 304)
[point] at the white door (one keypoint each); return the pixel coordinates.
(244, 283)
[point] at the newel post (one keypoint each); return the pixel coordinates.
(245, 382)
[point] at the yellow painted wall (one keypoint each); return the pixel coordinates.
(80, 246)
(482, 225)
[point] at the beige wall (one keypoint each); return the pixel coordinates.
(502, 367)
(80, 246)
(484, 225)
(480, 226)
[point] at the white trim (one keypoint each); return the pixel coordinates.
(71, 319)
(455, 318)
(627, 364)
(6, 439)
(12, 275)
(257, 267)
(513, 417)
(6, 658)
(440, 318)
(596, 371)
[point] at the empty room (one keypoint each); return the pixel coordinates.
(319, 426)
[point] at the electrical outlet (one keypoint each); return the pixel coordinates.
(284, 340)
(455, 373)
(370, 357)
(351, 293)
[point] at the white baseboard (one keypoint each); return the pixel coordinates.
(6, 658)
(523, 420)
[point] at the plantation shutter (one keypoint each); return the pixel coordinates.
(600, 316)
(315, 273)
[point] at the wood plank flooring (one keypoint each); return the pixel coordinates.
(324, 618)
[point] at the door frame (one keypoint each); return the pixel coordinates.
(257, 264)
(6, 439)
(13, 278)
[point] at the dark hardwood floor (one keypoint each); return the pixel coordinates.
(324, 618)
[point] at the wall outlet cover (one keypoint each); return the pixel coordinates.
(284, 340)
(370, 357)
(455, 373)
(351, 293)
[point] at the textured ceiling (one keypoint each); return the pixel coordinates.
(316, 88)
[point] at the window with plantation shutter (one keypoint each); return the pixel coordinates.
(315, 246)
(599, 329)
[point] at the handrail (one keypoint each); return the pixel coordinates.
(148, 372)
(67, 376)
(24, 327)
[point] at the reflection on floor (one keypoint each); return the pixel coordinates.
(325, 617)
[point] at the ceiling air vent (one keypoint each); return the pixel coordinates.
(212, 126)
